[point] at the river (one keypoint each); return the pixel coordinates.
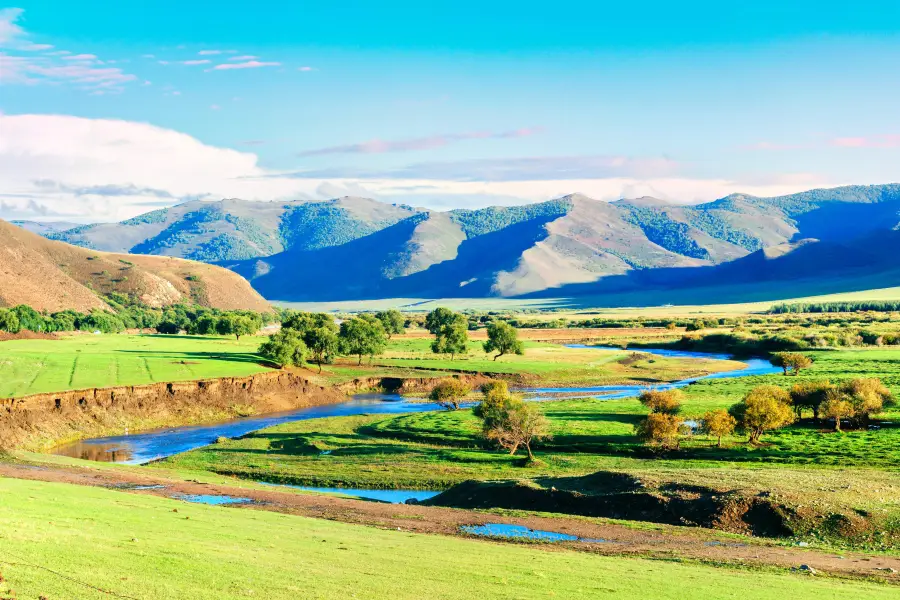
(146, 446)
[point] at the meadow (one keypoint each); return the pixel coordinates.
(66, 541)
(88, 361)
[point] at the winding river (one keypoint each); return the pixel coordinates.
(146, 446)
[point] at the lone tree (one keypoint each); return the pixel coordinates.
(237, 325)
(718, 423)
(362, 336)
(504, 339)
(662, 401)
(764, 408)
(660, 429)
(449, 392)
(791, 362)
(392, 320)
(284, 348)
(836, 407)
(450, 332)
(322, 343)
(508, 421)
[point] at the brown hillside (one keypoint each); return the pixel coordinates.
(52, 276)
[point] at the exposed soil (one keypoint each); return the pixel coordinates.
(667, 542)
(404, 385)
(39, 421)
(26, 335)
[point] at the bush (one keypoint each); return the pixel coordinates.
(449, 392)
(718, 423)
(764, 408)
(791, 361)
(660, 429)
(284, 348)
(659, 401)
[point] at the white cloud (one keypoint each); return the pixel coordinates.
(244, 57)
(103, 169)
(80, 57)
(196, 62)
(250, 64)
(209, 52)
(8, 28)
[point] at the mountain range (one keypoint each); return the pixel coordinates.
(642, 250)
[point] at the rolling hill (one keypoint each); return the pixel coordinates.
(53, 276)
(356, 248)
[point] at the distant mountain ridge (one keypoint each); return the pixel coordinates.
(358, 248)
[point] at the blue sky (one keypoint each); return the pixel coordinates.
(110, 109)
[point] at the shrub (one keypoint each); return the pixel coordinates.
(791, 361)
(718, 423)
(660, 429)
(809, 395)
(764, 408)
(449, 392)
(836, 407)
(662, 401)
(284, 348)
(509, 421)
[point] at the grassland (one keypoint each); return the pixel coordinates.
(551, 364)
(88, 361)
(64, 541)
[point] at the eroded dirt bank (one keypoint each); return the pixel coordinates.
(41, 421)
(665, 542)
(412, 385)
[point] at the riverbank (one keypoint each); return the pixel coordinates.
(605, 537)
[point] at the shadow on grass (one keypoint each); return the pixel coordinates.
(243, 357)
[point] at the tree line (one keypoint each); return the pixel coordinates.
(836, 307)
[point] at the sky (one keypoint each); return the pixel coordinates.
(112, 109)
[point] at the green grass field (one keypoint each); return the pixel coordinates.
(64, 541)
(87, 361)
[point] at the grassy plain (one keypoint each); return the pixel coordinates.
(87, 361)
(65, 541)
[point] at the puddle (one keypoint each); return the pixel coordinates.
(212, 499)
(389, 496)
(504, 530)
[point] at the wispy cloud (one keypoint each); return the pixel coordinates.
(203, 61)
(8, 28)
(243, 57)
(209, 52)
(80, 57)
(250, 64)
(305, 69)
(873, 141)
(377, 146)
(148, 56)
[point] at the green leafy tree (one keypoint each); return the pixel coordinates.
(29, 318)
(792, 362)
(809, 395)
(764, 408)
(9, 321)
(450, 332)
(392, 320)
(284, 348)
(362, 336)
(449, 392)
(718, 423)
(322, 343)
(205, 325)
(503, 339)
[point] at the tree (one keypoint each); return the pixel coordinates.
(284, 348)
(660, 429)
(662, 401)
(791, 361)
(205, 325)
(322, 343)
(809, 395)
(764, 408)
(836, 407)
(509, 421)
(237, 325)
(440, 317)
(867, 396)
(9, 321)
(503, 338)
(718, 423)
(362, 336)
(449, 392)
(450, 332)
(392, 320)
